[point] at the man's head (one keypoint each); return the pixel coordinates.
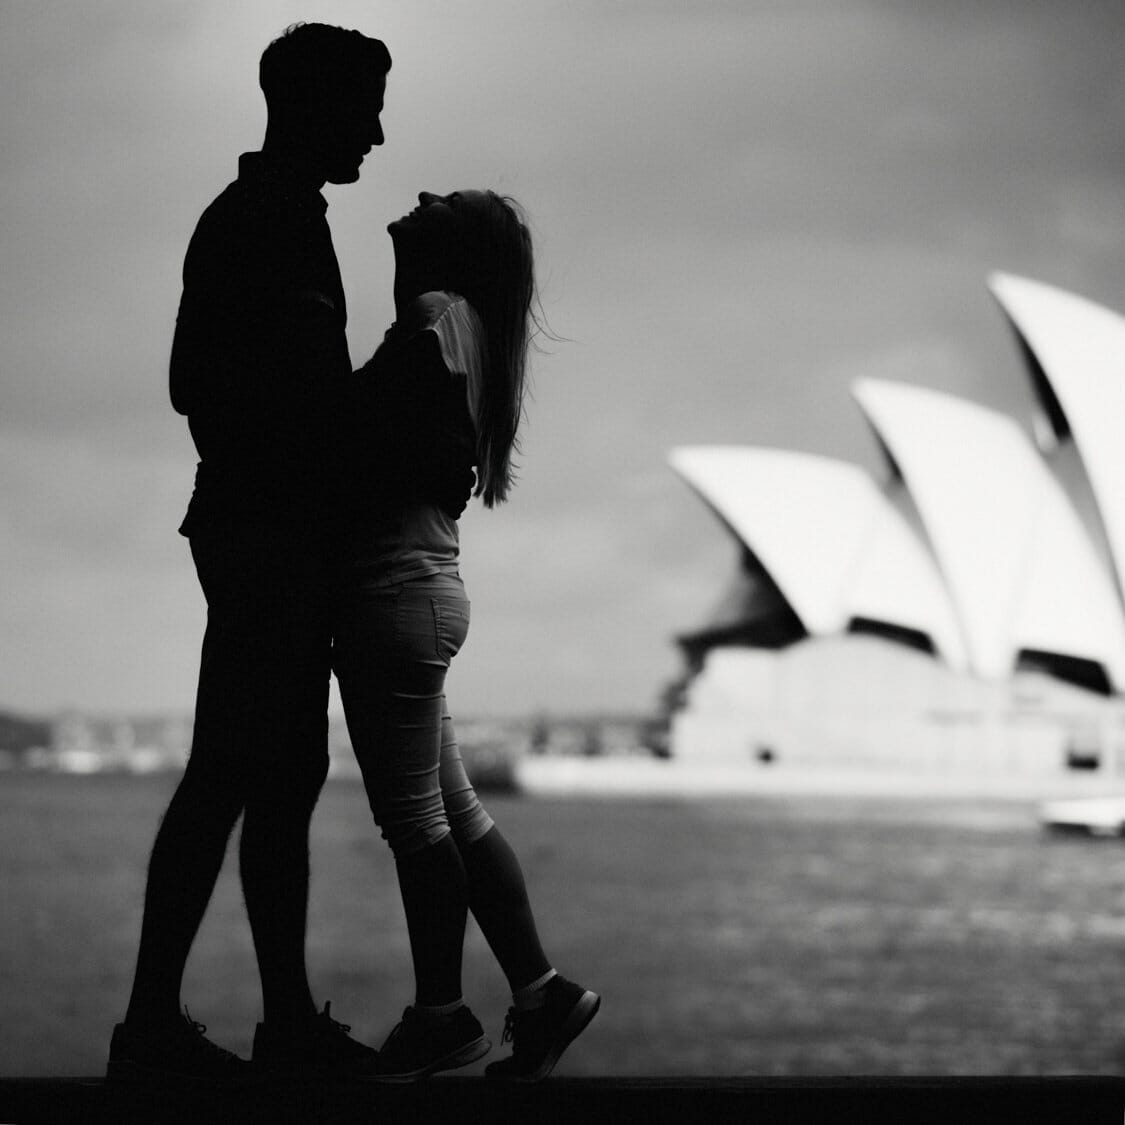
(324, 91)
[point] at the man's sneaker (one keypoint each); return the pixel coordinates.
(318, 1046)
(422, 1045)
(176, 1051)
(540, 1035)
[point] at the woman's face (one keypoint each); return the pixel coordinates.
(441, 228)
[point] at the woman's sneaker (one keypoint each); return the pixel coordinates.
(176, 1051)
(422, 1045)
(317, 1047)
(540, 1035)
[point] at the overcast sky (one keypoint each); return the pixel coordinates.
(739, 208)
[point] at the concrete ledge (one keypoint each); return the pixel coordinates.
(794, 1101)
(703, 776)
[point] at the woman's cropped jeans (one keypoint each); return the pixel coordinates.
(392, 646)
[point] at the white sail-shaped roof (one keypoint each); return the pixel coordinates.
(1015, 557)
(1080, 349)
(830, 539)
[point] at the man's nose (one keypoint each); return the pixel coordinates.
(376, 137)
(426, 198)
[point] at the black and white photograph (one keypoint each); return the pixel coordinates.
(562, 560)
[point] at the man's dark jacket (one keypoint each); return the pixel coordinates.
(260, 366)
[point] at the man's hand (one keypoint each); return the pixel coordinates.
(454, 481)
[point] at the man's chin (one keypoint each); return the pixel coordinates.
(343, 175)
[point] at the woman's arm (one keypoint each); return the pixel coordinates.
(413, 439)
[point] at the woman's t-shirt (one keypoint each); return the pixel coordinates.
(428, 385)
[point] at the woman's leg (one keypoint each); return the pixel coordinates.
(435, 899)
(391, 664)
(548, 1011)
(497, 891)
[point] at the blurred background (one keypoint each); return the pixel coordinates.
(739, 209)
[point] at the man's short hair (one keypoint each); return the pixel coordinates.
(314, 60)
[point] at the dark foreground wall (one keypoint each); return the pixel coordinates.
(1044, 1101)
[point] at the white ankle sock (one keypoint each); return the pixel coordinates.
(531, 995)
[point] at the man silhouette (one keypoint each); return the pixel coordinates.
(260, 367)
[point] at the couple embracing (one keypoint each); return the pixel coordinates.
(323, 527)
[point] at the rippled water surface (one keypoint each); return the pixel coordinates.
(777, 937)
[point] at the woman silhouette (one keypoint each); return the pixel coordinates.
(449, 375)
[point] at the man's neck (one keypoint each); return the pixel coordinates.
(292, 159)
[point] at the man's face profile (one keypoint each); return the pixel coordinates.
(354, 129)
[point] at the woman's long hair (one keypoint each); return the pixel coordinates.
(498, 280)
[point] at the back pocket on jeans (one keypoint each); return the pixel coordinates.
(451, 626)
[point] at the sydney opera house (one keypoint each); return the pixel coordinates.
(963, 616)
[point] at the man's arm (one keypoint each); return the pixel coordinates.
(259, 358)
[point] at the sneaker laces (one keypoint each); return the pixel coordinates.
(200, 1029)
(399, 1031)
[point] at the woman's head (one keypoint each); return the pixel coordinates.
(477, 244)
(470, 242)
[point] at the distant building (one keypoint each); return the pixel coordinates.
(965, 613)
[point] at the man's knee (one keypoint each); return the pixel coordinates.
(293, 783)
(209, 796)
(311, 774)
